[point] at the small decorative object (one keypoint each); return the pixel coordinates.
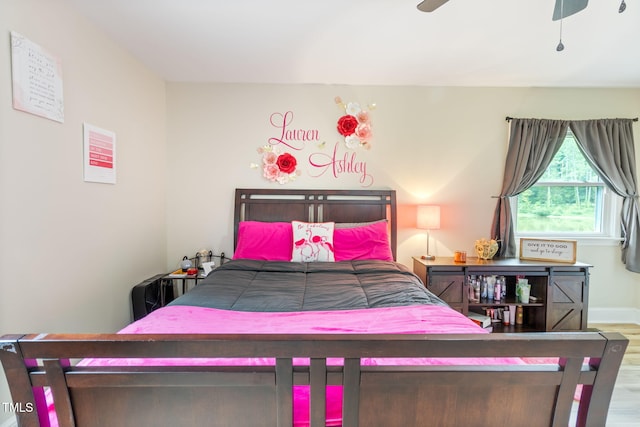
(486, 249)
(460, 256)
(185, 264)
(202, 257)
(355, 124)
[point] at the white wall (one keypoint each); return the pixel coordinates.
(436, 145)
(70, 251)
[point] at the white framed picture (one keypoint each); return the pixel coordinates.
(99, 155)
(37, 79)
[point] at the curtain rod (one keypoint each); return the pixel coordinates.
(635, 119)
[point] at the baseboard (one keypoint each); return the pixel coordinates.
(614, 315)
(11, 422)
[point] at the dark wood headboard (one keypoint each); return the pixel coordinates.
(272, 205)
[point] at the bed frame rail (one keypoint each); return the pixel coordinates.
(448, 395)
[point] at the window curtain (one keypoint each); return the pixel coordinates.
(532, 145)
(608, 146)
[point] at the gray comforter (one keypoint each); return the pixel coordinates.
(268, 286)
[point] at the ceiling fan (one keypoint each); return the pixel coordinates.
(562, 9)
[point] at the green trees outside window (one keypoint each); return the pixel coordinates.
(568, 198)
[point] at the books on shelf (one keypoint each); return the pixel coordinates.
(480, 319)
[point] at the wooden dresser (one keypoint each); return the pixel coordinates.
(561, 290)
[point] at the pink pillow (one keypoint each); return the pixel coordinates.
(267, 241)
(367, 242)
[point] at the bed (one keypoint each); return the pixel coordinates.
(346, 341)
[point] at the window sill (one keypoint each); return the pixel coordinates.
(582, 241)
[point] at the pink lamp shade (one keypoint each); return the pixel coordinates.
(428, 217)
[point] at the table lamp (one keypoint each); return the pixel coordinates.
(428, 218)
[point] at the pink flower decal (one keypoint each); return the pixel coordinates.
(271, 171)
(363, 131)
(276, 166)
(269, 158)
(363, 117)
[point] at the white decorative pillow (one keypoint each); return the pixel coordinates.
(312, 241)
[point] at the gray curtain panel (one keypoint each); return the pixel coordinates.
(532, 145)
(608, 146)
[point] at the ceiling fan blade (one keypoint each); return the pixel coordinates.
(430, 5)
(566, 8)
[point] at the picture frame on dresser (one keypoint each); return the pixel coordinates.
(552, 250)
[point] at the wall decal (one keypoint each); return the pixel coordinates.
(280, 157)
(292, 138)
(355, 124)
(339, 164)
(277, 166)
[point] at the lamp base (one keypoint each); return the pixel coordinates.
(428, 257)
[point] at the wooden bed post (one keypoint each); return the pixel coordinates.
(22, 393)
(595, 399)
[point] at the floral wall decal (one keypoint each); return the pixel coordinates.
(277, 166)
(355, 124)
(294, 147)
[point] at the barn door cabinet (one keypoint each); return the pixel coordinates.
(562, 290)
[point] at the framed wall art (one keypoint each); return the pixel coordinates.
(548, 250)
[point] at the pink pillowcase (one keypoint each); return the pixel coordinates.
(273, 241)
(267, 241)
(366, 242)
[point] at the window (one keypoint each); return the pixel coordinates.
(569, 200)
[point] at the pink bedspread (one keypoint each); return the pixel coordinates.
(416, 319)
(406, 320)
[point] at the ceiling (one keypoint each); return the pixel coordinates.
(376, 42)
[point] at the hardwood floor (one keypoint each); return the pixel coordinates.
(624, 410)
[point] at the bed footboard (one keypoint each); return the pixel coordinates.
(449, 394)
